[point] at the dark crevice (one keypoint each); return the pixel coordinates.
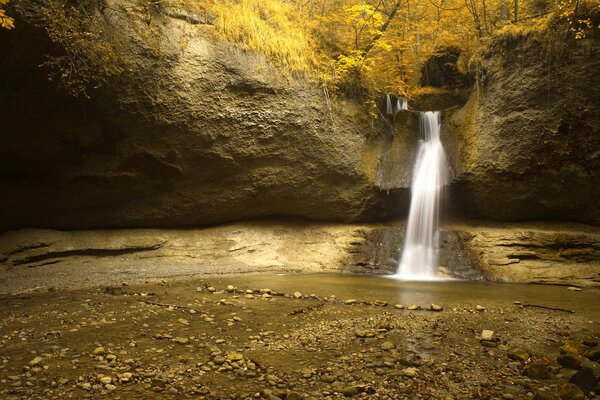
(86, 252)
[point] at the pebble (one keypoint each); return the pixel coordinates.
(350, 301)
(413, 307)
(593, 354)
(537, 371)
(36, 361)
(436, 307)
(181, 340)
(410, 372)
(398, 306)
(297, 295)
(569, 391)
(98, 351)
(587, 377)
(487, 335)
(387, 346)
(570, 360)
(350, 391)
(479, 308)
(518, 354)
(110, 387)
(106, 380)
(293, 396)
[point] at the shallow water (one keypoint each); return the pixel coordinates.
(443, 292)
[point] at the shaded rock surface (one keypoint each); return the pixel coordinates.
(203, 134)
(528, 141)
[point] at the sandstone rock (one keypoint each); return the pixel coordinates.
(570, 360)
(195, 137)
(518, 354)
(547, 170)
(537, 371)
(569, 391)
(587, 377)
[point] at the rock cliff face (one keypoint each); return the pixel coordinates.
(528, 140)
(203, 134)
(207, 133)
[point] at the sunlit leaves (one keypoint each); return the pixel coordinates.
(6, 22)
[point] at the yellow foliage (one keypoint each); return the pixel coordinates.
(269, 27)
(6, 22)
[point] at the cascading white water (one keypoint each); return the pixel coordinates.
(401, 104)
(420, 255)
(388, 105)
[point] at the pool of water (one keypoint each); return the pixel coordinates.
(448, 293)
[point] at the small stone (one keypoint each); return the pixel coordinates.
(231, 288)
(297, 295)
(86, 386)
(234, 356)
(293, 396)
(99, 351)
(387, 346)
(436, 307)
(183, 321)
(487, 335)
(398, 306)
(126, 377)
(587, 377)
(410, 372)
(593, 354)
(537, 371)
(568, 348)
(543, 395)
(350, 301)
(570, 360)
(181, 340)
(219, 360)
(569, 391)
(573, 288)
(413, 307)
(106, 380)
(110, 387)
(518, 354)
(350, 391)
(36, 361)
(479, 308)
(508, 396)
(306, 372)
(327, 378)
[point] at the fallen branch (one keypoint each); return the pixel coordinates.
(548, 308)
(174, 306)
(6, 296)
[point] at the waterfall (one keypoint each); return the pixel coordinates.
(401, 104)
(388, 105)
(430, 174)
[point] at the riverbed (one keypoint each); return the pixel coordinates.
(293, 336)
